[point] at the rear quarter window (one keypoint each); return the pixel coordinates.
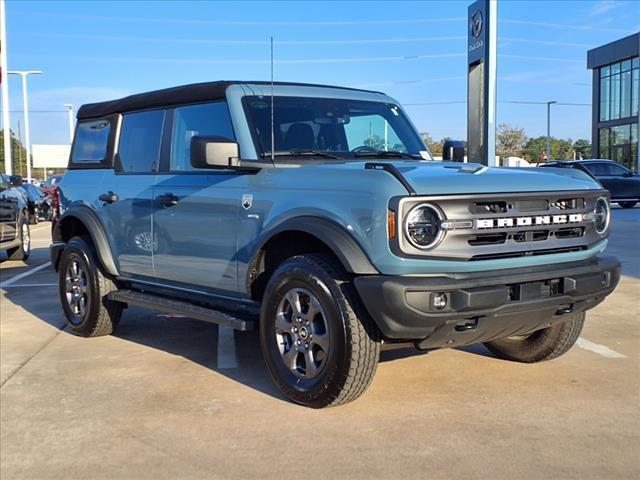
(91, 142)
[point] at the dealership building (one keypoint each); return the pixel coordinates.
(616, 100)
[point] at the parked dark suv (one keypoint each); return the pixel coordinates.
(14, 221)
(622, 183)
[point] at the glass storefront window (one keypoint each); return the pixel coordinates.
(620, 143)
(635, 90)
(604, 99)
(619, 90)
(625, 94)
(604, 143)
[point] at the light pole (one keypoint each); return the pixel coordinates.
(69, 108)
(5, 90)
(549, 128)
(25, 108)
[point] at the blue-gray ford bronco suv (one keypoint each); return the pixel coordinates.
(317, 215)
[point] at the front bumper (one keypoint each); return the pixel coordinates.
(487, 305)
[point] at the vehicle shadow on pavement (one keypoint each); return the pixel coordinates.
(197, 341)
(391, 352)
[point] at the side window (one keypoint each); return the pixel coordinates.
(91, 140)
(615, 170)
(207, 119)
(595, 169)
(4, 184)
(140, 138)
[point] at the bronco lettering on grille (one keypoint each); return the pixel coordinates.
(484, 223)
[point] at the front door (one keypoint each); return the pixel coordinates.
(9, 210)
(195, 211)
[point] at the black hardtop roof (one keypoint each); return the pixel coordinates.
(193, 93)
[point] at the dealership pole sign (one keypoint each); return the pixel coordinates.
(481, 81)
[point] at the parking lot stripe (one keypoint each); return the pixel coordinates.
(599, 349)
(24, 274)
(31, 285)
(226, 348)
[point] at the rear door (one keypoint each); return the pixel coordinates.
(125, 197)
(620, 182)
(195, 211)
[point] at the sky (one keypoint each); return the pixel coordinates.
(413, 51)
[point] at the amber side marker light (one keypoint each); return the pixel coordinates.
(391, 223)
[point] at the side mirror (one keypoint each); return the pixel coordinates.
(453, 151)
(627, 174)
(214, 152)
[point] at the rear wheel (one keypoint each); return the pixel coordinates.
(83, 291)
(545, 344)
(319, 343)
(627, 204)
(22, 251)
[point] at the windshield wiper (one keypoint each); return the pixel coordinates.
(301, 153)
(386, 154)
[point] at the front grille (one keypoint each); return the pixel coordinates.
(482, 227)
(528, 253)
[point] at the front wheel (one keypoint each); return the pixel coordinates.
(319, 343)
(627, 204)
(545, 344)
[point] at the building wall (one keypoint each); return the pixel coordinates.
(616, 101)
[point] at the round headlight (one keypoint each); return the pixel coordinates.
(601, 215)
(423, 226)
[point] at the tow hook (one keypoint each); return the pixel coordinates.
(469, 324)
(564, 310)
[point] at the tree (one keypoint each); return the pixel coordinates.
(510, 141)
(536, 148)
(375, 141)
(434, 146)
(582, 148)
(18, 154)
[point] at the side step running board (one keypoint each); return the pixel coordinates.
(178, 307)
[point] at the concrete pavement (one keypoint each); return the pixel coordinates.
(175, 398)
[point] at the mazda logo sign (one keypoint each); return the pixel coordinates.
(476, 24)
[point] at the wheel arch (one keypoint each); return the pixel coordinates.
(82, 220)
(303, 235)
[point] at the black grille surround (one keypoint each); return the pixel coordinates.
(495, 231)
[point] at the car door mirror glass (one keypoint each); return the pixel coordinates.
(214, 152)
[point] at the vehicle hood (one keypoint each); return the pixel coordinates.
(436, 178)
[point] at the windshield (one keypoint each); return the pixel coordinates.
(52, 180)
(344, 128)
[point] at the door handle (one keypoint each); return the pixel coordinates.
(167, 200)
(108, 197)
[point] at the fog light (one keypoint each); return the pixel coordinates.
(439, 300)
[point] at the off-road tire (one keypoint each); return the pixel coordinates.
(354, 350)
(22, 251)
(545, 344)
(33, 219)
(627, 204)
(102, 315)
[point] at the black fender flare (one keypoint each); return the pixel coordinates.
(350, 254)
(89, 219)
